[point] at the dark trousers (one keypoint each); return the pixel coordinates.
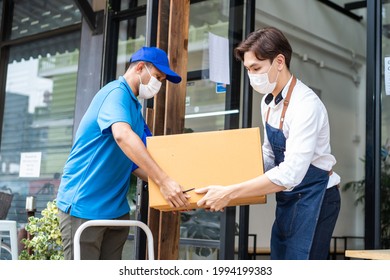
(326, 222)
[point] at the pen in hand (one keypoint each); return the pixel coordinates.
(185, 191)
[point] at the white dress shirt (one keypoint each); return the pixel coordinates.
(306, 128)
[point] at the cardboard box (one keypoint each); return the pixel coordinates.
(197, 160)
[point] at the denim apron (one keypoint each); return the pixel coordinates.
(297, 211)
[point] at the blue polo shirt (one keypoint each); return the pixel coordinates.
(96, 175)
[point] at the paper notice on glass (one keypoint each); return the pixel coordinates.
(387, 75)
(30, 165)
(219, 59)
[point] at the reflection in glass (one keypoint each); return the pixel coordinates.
(205, 17)
(205, 107)
(205, 100)
(36, 16)
(131, 38)
(38, 117)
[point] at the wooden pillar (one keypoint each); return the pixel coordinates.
(162, 43)
(169, 111)
(178, 57)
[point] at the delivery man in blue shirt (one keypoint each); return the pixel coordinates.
(108, 147)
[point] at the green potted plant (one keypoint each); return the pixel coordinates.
(359, 188)
(46, 242)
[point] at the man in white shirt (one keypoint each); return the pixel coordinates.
(297, 154)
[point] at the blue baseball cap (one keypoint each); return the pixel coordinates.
(159, 59)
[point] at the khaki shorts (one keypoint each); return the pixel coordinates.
(96, 243)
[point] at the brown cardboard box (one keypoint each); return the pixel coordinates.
(197, 160)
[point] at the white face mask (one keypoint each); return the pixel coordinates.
(151, 89)
(260, 82)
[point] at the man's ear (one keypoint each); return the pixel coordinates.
(139, 66)
(281, 61)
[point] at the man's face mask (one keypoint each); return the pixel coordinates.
(151, 89)
(261, 83)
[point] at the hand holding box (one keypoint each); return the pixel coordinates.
(197, 160)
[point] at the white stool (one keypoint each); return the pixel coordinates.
(10, 227)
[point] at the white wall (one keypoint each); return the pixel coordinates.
(338, 42)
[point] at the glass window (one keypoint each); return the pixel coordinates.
(207, 16)
(128, 4)
(131, 38)
(205, 99)
(203, 102)
(57, 44)
(385, 171)
(36, 16)
(37, 125)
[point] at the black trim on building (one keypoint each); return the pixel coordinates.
(143, 213)
(93, 19)
(341, 9)
(373, 125)
(243, 233)
(236, 18)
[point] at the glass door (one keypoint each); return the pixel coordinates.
(212, 104)
(385, 138)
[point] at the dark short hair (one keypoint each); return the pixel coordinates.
(265, 43)
(148, 64)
